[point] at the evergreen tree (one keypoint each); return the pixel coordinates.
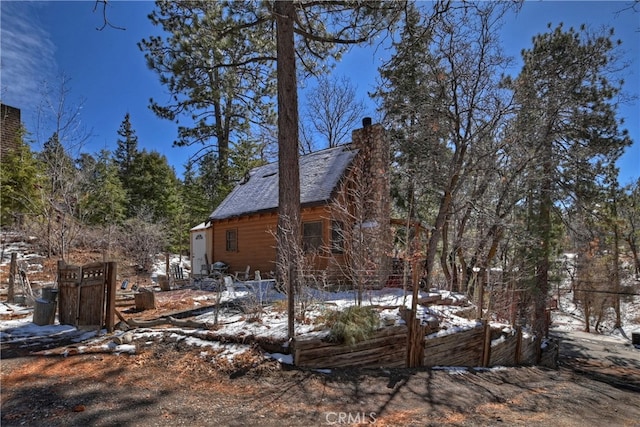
(153, 187)
(567, 113)
(630, 215)
(59, 166)
(20, 181)
(197, 205)
(220, 76)
(247, 155)
(104, 201)
(126, 151)
(412, 96)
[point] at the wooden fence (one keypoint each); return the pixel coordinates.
(479, 346)
(388, 347)
(456, 349)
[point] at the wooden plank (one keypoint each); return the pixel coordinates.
(378, 361)
(366, 357)
(121, 317)
(13, 270)
(358, 358)
(318, 342)
(110, 309)
(528, 352)
(339, 349)
(92, 295)
(387, 348)
(459, 349)
(90, 307)
(486, 345)
(69, 277)
(369, 357)
(504, 353)
(518, 349)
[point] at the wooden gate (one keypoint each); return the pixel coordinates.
(91, 295)
(87, 294)
(68, 295)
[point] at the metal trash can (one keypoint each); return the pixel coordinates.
(49, 294)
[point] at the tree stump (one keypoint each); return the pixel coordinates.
(163, 281)
(145, 300)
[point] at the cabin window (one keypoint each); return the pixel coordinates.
(337, 237)
(232, 240)
(311, 236)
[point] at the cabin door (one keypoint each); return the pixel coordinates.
(199, 255)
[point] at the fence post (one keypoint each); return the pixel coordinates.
(13, 269)
(486, 347)
(415, 340)
(110, 282)
(518, 356)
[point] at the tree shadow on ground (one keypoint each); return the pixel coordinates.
(620, 369)
(63, 391)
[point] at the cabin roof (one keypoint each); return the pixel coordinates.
(320, 173)
(201, 226)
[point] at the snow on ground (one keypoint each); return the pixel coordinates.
(273, 323)
(24, 255)
(268, 321)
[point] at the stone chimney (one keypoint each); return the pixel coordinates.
(373, 163)
(10, 124)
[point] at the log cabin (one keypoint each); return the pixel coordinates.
(345, 215)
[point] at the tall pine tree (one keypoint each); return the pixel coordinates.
(126, 151)
(567, 114)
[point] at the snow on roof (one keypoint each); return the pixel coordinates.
(201, 226)
(320, 172)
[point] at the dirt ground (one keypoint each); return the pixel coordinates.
(170, 384)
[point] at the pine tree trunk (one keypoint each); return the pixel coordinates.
(616, 271)
(544, 242)
(288, 169)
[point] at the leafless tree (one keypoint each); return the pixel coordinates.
(353, 238)
(330, 112)
(61, 134)
(141, 239)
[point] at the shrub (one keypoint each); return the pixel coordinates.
(355, 324)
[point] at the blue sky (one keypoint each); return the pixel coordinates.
(109, 76)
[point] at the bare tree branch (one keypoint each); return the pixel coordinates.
(106, 21)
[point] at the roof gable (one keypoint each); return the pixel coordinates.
(320, 173)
